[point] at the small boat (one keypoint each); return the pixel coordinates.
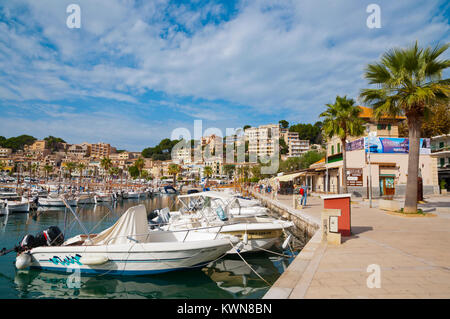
(103, 197)
(53, 200)
(83, 199)
(19, 206)
(126, 248)
(209, 209)
(133, 194)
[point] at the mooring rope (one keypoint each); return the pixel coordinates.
(249, 264)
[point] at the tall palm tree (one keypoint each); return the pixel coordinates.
(409, 81)
(208, 171)
(70, 166)
(81, 167)
(140, 164)
(106, 164)
(341, 119)
(173, 170)
(48, 169)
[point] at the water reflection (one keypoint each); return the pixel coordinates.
(227, 278)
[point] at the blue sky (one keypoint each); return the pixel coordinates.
(136, 70)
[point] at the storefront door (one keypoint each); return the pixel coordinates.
(387, 186)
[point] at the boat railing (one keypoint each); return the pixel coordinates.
(147, 236)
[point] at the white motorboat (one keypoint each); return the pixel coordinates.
(54, 200)
(126, 248)
(207, 210)
(19, 206)
(103, 197)
(83, 199)
(133, 194)
(3, 210)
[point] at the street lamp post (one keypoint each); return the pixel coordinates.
(369, 135)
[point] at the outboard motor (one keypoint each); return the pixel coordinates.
(52, 236)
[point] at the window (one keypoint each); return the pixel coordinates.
(389, 127)
(441, 144)
(381, 126)
(442, 160)
(338, 148)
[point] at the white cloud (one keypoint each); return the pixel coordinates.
(288, 57)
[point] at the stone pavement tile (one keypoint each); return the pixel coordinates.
(277, 293)
(443, 288)
(325, 291)
(409, 288)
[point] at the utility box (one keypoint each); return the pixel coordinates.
(343, 203)
(330, 226)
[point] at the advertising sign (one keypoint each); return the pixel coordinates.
(355, 145)
(354, 177)
(394, 145)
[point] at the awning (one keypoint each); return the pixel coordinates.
(287, 178)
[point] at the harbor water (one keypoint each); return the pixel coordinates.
(227, 278)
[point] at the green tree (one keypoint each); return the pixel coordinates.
(229, 169)
(53, 142)
(342, 120)
(284, 123)
(140, 163)
(409, 82)
(106, 164)
(133, 171)
(47, 169)
(174, 170)
(18, 142)
(70, 166)
(284, 148)
(81, 167)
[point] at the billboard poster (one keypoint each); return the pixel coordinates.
(394, 145)
(355, 145)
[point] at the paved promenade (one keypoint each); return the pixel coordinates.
(413, 254)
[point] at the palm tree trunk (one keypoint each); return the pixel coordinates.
(414, 125)
(344, 167)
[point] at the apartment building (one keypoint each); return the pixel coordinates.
(79, 150)
(100, 150)
(5, 152)
(440, 149)
(263, 140)
(296, 146)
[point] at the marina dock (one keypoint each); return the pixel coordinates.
(413, 253)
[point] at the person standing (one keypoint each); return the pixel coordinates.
(304, 194)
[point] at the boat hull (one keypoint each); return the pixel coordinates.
(56, 202)
(141, 259)
(18, 208)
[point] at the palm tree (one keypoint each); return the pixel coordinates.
(208, 171)
(2, 166)
(48, 169)
(409, 82)
(71, 166)
(106, 164)
(140, 164)
(342, 120)
(114, 171)
(80, 168)
(173, 170)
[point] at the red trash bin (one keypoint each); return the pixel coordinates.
(342, 202)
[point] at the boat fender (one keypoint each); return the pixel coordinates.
(245, 239)
(286, 242)
(23, 260)
(93, 260)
